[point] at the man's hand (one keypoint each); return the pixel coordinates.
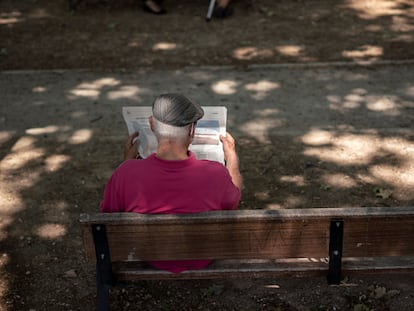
(131, 147)
(229, 147)
(232, 161)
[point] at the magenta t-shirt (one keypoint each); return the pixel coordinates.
(155, 186)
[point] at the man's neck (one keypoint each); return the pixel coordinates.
(171, 151)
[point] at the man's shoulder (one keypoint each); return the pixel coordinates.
(128, 164)
(212, 165)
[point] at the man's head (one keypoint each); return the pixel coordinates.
(175, 116)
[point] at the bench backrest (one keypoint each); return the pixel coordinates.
(252, 234)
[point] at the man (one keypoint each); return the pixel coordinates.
(172, 180)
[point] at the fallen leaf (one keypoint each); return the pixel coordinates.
(392, 293)
(379, 292)
(325, 187)
(71, 273)
(383, 193)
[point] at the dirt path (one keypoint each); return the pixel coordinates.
(44, 34)
(309, 136)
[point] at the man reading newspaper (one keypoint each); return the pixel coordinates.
(172, 180)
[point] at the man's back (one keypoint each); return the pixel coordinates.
(155, 186)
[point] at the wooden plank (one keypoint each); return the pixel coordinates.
(264, 239)
(247, 234)
(226, 269)
(304, 267)
(240, 215)
(379, 236)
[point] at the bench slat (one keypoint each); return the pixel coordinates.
(258, 234)
(268, 269)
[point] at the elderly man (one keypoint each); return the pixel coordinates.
(172, 180)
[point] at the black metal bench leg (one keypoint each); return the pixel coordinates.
(102, 295)
(104, 278)
(336, 237)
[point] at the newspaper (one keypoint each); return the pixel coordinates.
(206, 143)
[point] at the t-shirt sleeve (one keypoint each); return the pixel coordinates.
(231, 196)
(111, 202)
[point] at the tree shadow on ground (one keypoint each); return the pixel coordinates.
(307, 137)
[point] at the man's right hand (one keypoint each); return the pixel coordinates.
(131, 147)
(232, 161)
(229, 147)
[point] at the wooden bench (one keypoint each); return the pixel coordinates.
(250, 243)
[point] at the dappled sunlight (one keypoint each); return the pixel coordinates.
(261, 88)
(80, 137)
(317, 137)
(345, 149)
(5, 136)
(164, 46)
(126, 91)
(386, 105)
(410, 92)
(251, 52)
(39, 89)
(260, 130)
(43, 130)
(389, 105)
(339, 180)
(365, 53)
(135, 43)
(5, 222)
(262, 195)
(225, 87)
(10, 18)
(389, 160)
(50, 231)
(10, 204)
(402, 24)
(93, 89)
(292, 201)
(4, 282)
(261, 126)
(23, 151)
(377, 8)
(248, 53)
(297, 180)
(290, 50)
(56, 162)
(273, 206)
(401, 176)
(267, 112)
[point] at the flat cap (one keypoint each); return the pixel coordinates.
(176, 109)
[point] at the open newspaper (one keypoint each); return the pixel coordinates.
(206, 143)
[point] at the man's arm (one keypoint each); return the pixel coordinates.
(232, 160)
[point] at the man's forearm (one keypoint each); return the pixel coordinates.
(232, 165)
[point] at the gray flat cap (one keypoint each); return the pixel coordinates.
(176, 109)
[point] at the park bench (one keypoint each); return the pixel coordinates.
(334, 242)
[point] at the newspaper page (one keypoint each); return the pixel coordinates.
(206, 143)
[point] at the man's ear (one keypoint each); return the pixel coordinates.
(151, 123)
(192, 129)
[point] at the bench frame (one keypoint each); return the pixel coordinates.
(250, 243)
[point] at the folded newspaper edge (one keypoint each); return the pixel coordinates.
(206, 144)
